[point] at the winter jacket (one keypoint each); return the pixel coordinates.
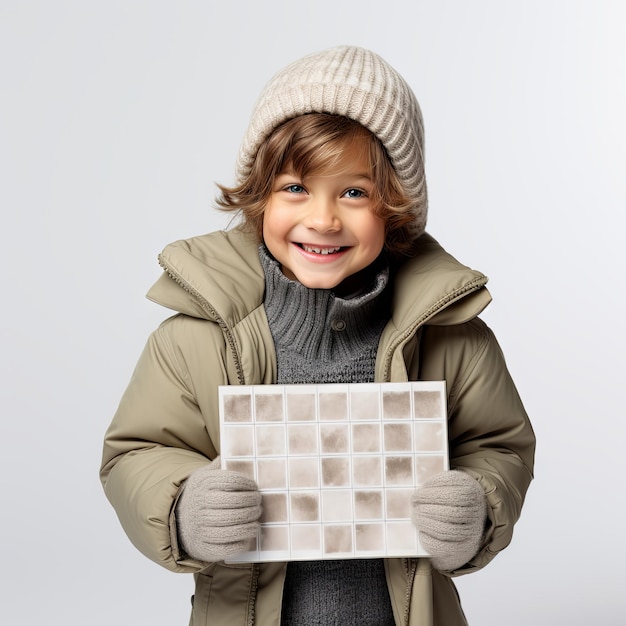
(167, 423)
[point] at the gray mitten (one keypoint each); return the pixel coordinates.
(450, 511)
(217, 513)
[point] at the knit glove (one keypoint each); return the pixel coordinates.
(450, 511)
(217, 513)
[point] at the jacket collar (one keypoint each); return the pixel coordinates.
(219, 277)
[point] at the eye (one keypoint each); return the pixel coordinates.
(355, 193)
(295, 188)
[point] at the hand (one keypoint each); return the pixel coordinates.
(217, 513)
(450, 511)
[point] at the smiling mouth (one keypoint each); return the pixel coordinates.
(320, 250)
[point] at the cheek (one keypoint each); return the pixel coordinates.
(274, 229)
(274, 220)
(376, 234)
(267, 223)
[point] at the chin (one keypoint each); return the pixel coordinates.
(318, 283)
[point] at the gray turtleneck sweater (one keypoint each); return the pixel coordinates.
(322, 337)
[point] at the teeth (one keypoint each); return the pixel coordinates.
(320, 250)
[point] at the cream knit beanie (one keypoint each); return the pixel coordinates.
(357, 84)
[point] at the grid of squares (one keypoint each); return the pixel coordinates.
(336, 464)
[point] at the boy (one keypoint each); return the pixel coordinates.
(330, 278)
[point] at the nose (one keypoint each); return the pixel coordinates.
(322, 216)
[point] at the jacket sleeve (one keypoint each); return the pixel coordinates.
(162, 431)
(490, 434)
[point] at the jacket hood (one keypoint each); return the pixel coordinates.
(218, 276)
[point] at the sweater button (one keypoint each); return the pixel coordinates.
(338, 325)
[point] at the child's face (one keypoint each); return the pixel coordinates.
(322, 229)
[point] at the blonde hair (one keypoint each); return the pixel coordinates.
(313, 144)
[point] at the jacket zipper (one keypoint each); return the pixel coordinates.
(474, 285)
(411, 564)
(411, 568)
(204, 303)
(254, 583)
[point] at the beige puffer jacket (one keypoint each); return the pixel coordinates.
(167, 423)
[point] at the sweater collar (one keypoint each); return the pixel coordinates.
(319, 321)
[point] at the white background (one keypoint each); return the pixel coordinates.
(116, 119)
